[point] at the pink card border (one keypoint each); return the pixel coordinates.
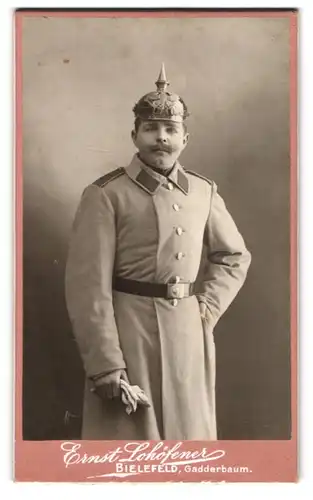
(267, 461)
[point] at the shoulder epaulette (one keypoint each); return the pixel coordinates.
(201, 176)
(102, 181)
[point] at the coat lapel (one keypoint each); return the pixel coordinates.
(179, 178)
(144, 176)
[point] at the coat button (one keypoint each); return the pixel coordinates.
(174, 302)
(170, 186)
(179, 255)
(176, 207)
(179, 231)
(175, 290)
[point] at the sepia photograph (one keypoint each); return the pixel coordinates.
(158, 245)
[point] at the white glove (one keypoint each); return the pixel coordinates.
(132, 395)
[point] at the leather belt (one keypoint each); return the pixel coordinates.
(165, 290)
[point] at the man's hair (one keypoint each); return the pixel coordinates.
(139, 120)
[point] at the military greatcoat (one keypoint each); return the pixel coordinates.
(137, 224)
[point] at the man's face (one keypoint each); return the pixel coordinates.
(160, 142)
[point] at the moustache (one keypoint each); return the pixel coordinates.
(162, 147)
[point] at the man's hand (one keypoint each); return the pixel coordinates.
(108, 386)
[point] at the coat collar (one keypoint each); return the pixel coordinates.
(151, 181)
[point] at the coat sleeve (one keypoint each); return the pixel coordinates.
(227, 260)
(88, 283)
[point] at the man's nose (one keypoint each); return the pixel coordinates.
(161, 136)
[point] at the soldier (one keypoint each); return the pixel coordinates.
(134, 256)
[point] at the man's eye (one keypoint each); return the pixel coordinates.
(171, 130)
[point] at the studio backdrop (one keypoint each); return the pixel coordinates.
(80, 80)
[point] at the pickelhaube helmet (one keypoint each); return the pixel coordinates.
(161, 104)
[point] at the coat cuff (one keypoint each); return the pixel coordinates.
(104, 373)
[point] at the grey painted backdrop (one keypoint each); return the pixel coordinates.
(81, 78)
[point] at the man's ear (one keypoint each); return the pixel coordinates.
(134, 136)
(186, 139)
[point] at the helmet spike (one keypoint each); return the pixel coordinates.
(161, 105)
(161, 82)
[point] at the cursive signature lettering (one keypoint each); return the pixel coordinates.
(136, 452)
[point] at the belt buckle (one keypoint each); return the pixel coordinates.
(175, 290)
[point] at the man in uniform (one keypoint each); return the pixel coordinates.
(134, 256)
